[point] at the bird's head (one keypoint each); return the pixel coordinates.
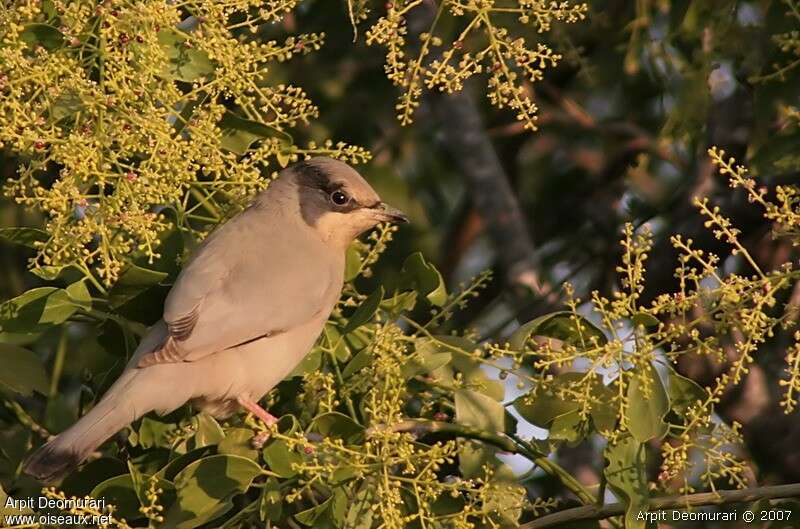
(336, 201)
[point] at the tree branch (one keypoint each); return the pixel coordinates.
(489, 185)
(458, 118)
(598, 512)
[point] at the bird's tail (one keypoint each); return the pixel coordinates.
(62, 454)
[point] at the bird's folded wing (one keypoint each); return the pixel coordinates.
(235, 290)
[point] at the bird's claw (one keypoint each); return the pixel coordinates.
(260, 439)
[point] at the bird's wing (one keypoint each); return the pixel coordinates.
(237, 288)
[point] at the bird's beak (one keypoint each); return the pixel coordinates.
(390, 214)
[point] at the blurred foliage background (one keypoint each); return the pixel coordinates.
(625, 118)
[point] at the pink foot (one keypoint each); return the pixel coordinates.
(257, 410)
(260, 440)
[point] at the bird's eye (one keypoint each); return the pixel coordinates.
(339, 198)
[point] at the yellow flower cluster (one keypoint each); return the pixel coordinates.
(390, 465)
(726, 317)
(483, 43)
(133, 116)
(84, 507)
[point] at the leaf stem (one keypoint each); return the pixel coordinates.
(340, 379)
(58, 363)
(555, 470)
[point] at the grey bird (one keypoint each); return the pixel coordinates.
(243, 312)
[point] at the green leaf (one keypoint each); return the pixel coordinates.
(49, 9)
(560, 415)
(400, 302)
(60, 306)
(343, 474)
(365, 311)
(24, 236)
(82, 481)
(208, 432)
(42, 34)
(288, 424)
(604, 410)
(36, 309)
(645, 319)
(479, 411)
(327, 515)
(426, 358)
(627, 478)
(22, 371)
(421, 275)
(133, 281)
(138, 480)
(336, 343)
(50, 273)
(310, 516)
(205, 489)
(239, 133)
(505, 504)
(352, 263)
(171, 469)
(238, 442)
(141, 483)
(360, 514)
(337, 425)
(463, 362)
(446, 504)
(684, 392)
(271, 507)
(569, 427)
(280, 458)
(646, 412)
(339, 507)
(311, 362)
(184, 63)
(153, 433)
(120, 492)
(543, 408)
(79, 295)
(565, 326)
(361, 360)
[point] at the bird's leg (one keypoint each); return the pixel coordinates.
(267, 418)
(257, 410)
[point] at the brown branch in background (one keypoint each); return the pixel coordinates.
(601, 512)
(468, 227)
(489, 186)
(457, 116)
